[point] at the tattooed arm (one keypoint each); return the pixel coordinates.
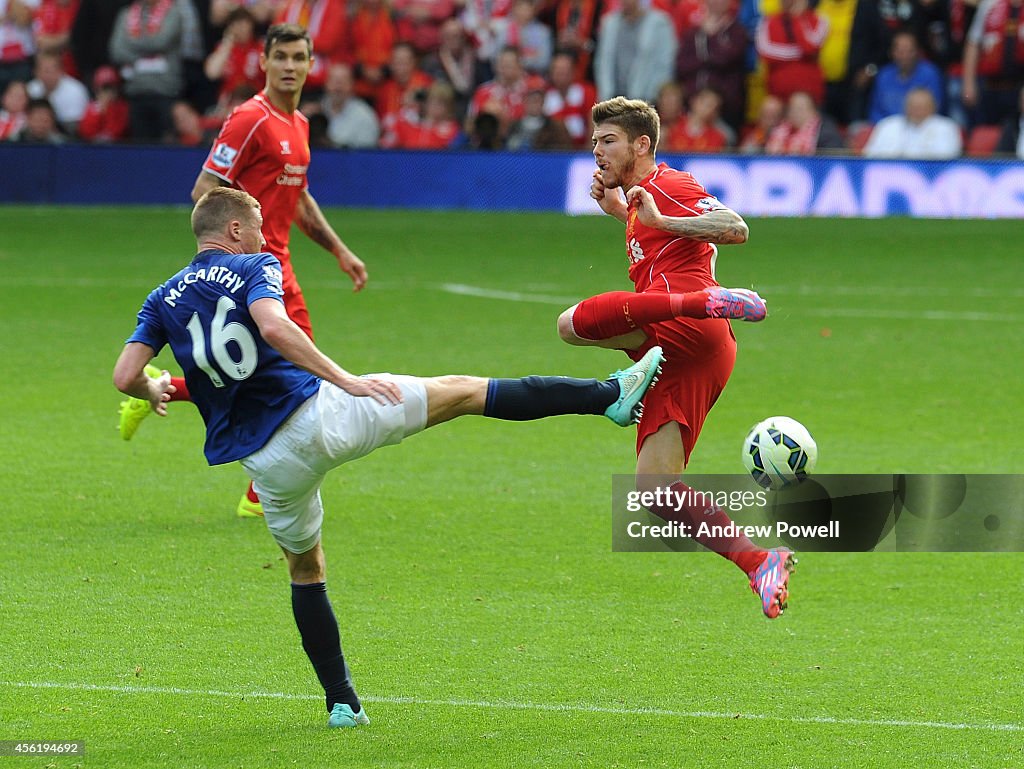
(721, 225)
(312, 222)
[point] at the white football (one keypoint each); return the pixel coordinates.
(779, 452)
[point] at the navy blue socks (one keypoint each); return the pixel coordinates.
(536, 397)
(322, 643)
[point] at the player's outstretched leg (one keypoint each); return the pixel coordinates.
(622, 315)
(134, 410)
(634, 382)
(659, 464)
(770, 581)
(535, 397)
(735, 303)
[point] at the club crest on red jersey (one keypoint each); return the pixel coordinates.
(223, 155)
(709, 204)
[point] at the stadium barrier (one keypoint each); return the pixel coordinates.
(503, 181)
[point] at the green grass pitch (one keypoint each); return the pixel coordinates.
(485, 619)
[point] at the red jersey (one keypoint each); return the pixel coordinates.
(508, 101)
(266, 153)
(679, 139)
(662, 260)
(243, 68)
(326, 21)
(409, 132)
(55, 17)
(105, 125)
(392, 96)
(573, 109)
(789, 47)
(997, 28)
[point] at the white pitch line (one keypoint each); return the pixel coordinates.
(509, 296)
(893, 290)
(854, 312)
(537, 706)
(462, 289)
(840, 312)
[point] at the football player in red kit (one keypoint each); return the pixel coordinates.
(263, 149)
(672, 226)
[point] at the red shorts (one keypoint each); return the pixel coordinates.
(699, 357)
(294, 303)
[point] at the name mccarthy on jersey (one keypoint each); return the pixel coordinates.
(215, 274)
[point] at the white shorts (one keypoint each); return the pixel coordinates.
(329, 429)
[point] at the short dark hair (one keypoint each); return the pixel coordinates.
(239, 13)
(286, 33)
(634, 116)
(214, 210)
(41, 103)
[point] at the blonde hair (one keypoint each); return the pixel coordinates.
(634, 116)
(218, 207)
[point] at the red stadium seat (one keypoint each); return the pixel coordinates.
(983, 140)
(858, 137)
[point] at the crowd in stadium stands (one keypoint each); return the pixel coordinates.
(883, 78)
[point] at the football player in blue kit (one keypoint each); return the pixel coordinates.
(274, 402)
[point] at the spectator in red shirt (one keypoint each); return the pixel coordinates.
(502, 97)
(188, 126)
(53, 20)
(687, 15)
(106, 117)
(405, 80)
(574, 31)
(373, 37)
(789, 43)
(326, 21)
(669, 105)
(696, 130)
(569, 99)
(804, 130)
(236, 59)
(993, 60)
(13, 108)
(769, 115)
(428, 124)
(419, 22)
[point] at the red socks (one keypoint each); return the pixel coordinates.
(738, 549)
(181, 394)
(250, 494)
(618, 312)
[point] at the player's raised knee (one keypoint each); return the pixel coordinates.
(565, 328)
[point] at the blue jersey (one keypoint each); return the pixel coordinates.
(242, 386)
